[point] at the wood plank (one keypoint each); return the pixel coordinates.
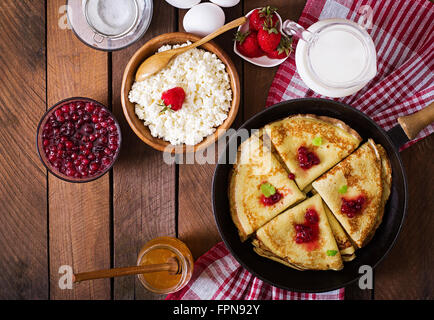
(144, 192)
(407, 272)
(196, 225)
(23, 218)
(79, 214)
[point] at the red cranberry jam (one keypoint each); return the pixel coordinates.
(309, 230)
(353, 206)
(269, 201)
(311, 216)
(306, 158)
(80, 139)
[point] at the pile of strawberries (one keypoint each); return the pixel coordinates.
(263, 37)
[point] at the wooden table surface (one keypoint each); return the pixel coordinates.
(46, 222)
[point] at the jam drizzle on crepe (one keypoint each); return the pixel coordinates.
(352, 206)
(306, 159)
(308, 232)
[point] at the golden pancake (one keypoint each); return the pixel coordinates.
(279, 239)
(386, 177)
(257, 166)
(345, 246)
(353, 191)
(310, 145)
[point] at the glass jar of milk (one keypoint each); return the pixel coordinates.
(334, 57)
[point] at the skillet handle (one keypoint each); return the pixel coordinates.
(414, 123)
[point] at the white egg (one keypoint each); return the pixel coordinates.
(203, 19)
(183, 4)
(226, 3)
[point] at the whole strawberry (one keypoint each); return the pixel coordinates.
(247, 44)
(258, 17)
(283, 49)
(172, 99)
(269, 36)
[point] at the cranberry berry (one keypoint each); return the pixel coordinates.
(353, 206)
(270, 195)
(311, 216)
(269, 201)
(304, 233)
(307, 159)
(309, 230)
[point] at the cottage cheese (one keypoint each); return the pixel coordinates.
(206, 83)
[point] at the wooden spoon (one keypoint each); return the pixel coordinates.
(172, 266)
(159, 60)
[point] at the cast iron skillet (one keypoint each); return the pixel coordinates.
(314, 281)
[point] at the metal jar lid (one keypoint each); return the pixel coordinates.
(83, 19)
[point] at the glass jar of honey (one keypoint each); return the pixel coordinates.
(161, 250)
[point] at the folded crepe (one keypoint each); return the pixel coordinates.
(386, 177)
(300, 238)
(257, 171)
(309, 145)
(353, 190)
(345, 245)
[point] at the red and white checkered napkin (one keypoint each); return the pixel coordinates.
(403, 33)
(218, 276)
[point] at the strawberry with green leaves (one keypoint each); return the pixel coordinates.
(172, 99)
(258, 17)
(247, 44)
(283, 50)
(269, 36)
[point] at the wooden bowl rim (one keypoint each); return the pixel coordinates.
(235, 87)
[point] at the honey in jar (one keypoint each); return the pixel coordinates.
(159, 251)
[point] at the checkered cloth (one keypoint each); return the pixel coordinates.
(403, 33)
(218, 276)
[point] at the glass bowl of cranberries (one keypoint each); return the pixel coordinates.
(78, 139)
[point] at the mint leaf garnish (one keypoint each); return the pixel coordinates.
(267, 189)
(317, 141)
(331, 252)
(343, 189)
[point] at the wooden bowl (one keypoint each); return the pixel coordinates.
(128, 107)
